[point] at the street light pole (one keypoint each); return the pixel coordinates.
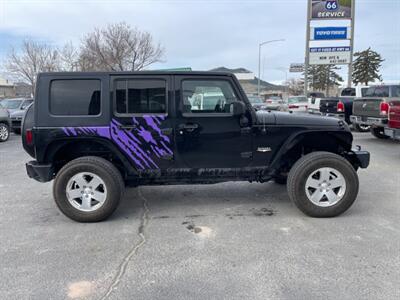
(259, 61)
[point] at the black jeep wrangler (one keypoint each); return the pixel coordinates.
(94, 133)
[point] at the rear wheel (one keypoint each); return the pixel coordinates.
(88, 189)
(379, 132)
(4, 132)
(322, 184)
(361, 127)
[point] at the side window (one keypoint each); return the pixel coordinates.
(26, 104)
(207, 96)
(140, 96)
(75, 97)
(395, 91)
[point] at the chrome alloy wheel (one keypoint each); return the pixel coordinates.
(3, 132)
(86, 191)
(325, 187)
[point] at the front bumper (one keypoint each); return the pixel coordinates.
(40, 172)
(359, 157)
(394, 133)
(16, 123)
(371, 121)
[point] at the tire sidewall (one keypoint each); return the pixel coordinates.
(8, 132)
(304, 204)
(110, 203)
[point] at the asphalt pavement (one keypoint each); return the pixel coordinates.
(223, 241)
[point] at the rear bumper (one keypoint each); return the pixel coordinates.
(371, 121)
(40, 172)
(394, 133)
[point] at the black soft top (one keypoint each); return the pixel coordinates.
(191, 73)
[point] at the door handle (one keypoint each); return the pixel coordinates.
(126, 126)
(190, 127)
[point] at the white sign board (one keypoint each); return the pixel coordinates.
(296, 68)
(330, 56)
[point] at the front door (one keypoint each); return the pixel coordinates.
(208, 135)
(141, 126)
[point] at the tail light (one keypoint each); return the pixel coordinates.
(28, 137)
(384, 107)
(269, 101)
(340, 107)
(293, 106)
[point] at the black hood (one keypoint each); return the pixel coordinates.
(286, 118)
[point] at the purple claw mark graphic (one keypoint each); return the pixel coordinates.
(142, 145)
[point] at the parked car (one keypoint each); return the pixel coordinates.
(298, 104)
(373, 109)
(393, 128)
(15, 104)
(314, 99)
(275, 103)
(16, 120)
(257, 102)
(4, 124)
(341, 107)
(93, 148)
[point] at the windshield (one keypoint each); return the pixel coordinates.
(349, 92)
(377, 91)
(255, 100)
(297, 99)
(11, 104)
(316, 95)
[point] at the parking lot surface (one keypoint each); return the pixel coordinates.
(223, 241)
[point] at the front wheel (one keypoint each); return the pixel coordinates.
(322, 184)
(88, 189)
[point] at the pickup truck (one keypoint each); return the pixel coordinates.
(373, 109)
(340, 107)
(392, 130)
(95, 133)
(314, 99)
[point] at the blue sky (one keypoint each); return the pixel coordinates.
(204, 34)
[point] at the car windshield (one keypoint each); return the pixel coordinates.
(11, 104)
(255, 100)
(297, 99)
(316, 95)
(377, 91)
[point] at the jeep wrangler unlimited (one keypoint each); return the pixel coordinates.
(94, 133)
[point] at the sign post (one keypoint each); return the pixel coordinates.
(317, 11)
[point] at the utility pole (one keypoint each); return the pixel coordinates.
(259, 61)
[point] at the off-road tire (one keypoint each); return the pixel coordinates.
(100, 167)
(379, 132)
(4, 126)
(308, 164)
(358, 128)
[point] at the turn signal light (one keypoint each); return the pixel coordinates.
(384, 107)
(28, 137)
(340, 107)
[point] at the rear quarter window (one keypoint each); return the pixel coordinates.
(75, 97)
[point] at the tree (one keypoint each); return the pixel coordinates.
(323, 77)
(32, 58)
(366, 66)
(295, 86)
(69, 58)
(118, 47)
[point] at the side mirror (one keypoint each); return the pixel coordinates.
(238, 108)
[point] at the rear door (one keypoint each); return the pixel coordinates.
(208, 135)
(141, 125)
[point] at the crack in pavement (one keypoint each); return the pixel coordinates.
(122, 267)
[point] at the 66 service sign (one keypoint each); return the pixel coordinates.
(330, 55)
(331, 9)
